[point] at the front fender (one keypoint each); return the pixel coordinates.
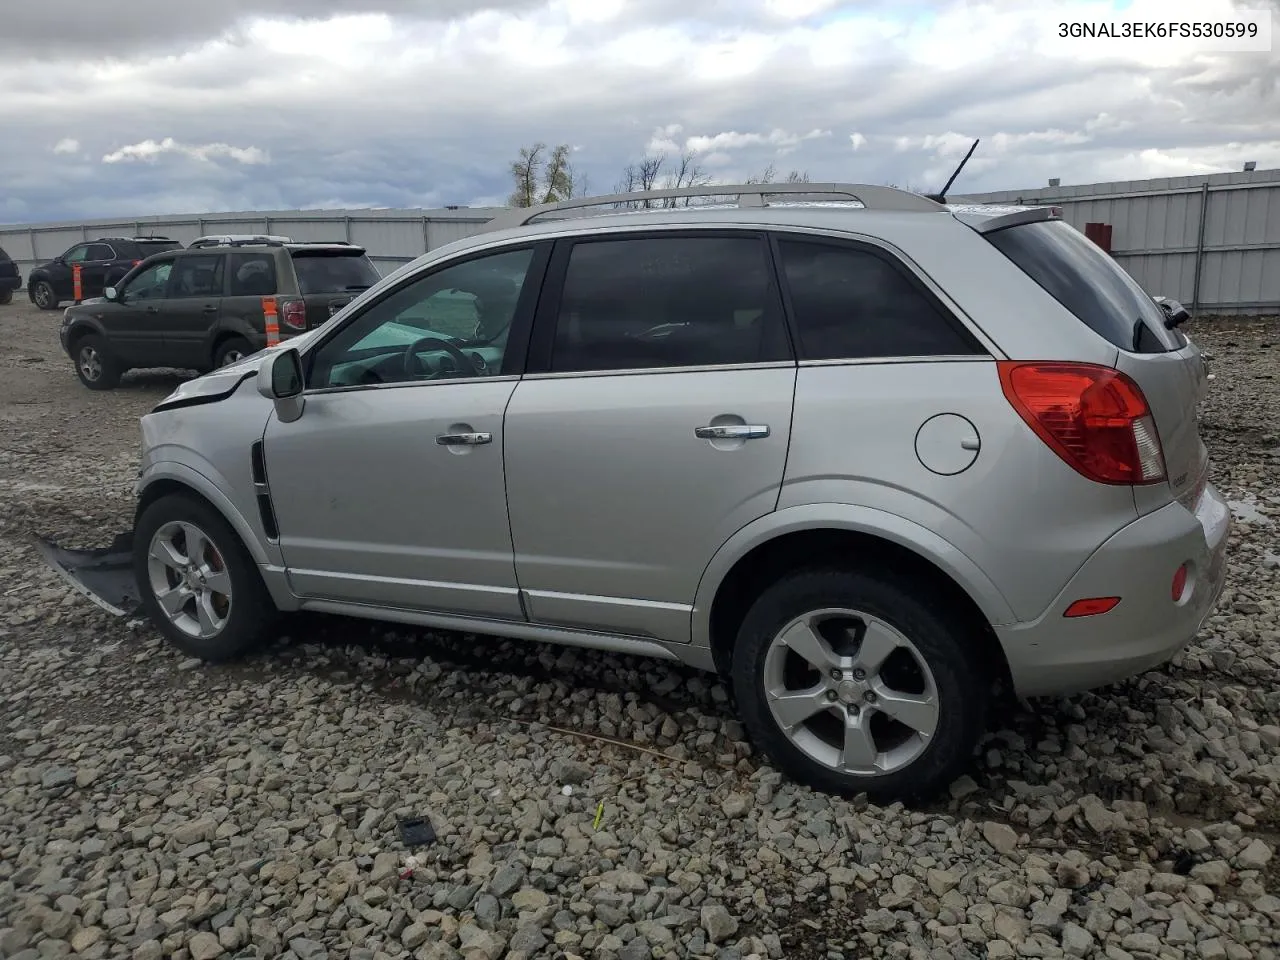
(158, 471)
(855, 519)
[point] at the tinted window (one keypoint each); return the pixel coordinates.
(851, 303)
(77, 254)
(150, 283)
(100, 251)
(668, 302)
(197, 277)
(448, 324)
(148, 247)
(333, 274)
(1080, 276)
(252, 274)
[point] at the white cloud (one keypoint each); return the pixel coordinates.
(67, 145)
(150, 150)
(858, 141)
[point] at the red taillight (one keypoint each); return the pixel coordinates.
(1179, 582)
(1091, 607)
(136, 262)
(1094, 417)
(294, 315)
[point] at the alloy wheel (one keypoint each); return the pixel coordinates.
(189, 579)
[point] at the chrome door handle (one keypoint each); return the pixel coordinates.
(733, 431)
(463, 439)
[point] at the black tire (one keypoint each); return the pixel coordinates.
(960, 684)
(249, 611)
(43, 295)
(96, 366)
(6, 297)
(231, 350)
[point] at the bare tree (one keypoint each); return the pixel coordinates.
(770, 174)
(539, 177)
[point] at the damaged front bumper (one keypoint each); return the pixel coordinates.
(104, 575)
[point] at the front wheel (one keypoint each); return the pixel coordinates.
(42, 295)
(95, 365)
(851, 683)
(198, 583)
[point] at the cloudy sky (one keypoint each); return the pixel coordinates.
(183, 106)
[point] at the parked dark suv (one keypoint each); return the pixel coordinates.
(102, 263)
(10, 279)
(203, 308)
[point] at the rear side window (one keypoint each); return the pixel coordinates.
(1076, 273)
(100, 251)
(197, 277)
(329, 273)
(252, 274)
(653, 302)
(851, 303)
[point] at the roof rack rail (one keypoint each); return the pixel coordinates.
(748, 195)
(238, 240)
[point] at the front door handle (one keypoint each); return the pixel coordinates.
(210, 308)
(463, 439)
(153, 309)
(733, 431)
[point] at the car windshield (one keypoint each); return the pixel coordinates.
(334, 273)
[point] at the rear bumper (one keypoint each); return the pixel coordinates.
(10, 283)
(1061, 655)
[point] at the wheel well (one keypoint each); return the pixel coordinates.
(839, 548)
(77, 335)
(222, 338)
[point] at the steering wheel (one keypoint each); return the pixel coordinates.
(461, 360)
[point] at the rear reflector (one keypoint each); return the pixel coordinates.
(1091, 607)
(1095, 418)
(1179, 582)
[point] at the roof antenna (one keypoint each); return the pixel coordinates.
(941, 197)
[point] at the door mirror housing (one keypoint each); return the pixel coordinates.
(1174, 312)
(280, 380)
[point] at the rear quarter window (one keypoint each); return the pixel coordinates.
(1079, 275)
(251, 275)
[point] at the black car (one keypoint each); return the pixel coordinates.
(102, 263)
(10, 279)
(201, 308)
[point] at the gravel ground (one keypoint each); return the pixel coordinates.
(151, 806)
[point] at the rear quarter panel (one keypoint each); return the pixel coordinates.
(1018, 512)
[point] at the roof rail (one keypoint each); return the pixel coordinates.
(238, 240)
(748, 195)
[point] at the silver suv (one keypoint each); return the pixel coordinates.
(867, 460)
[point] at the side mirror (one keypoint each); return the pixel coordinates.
(1174, 312)
(280, 381)
(111, 293)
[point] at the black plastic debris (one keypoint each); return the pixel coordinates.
(416, 831)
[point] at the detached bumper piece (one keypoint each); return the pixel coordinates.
(104, 575)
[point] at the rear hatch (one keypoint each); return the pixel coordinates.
(1164, 363)
(330, 277)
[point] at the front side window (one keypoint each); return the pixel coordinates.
(252, 274)
(449, 324)
(151, 283)
(77, 254)
(198, 277)
(657, 302)
(851, 303)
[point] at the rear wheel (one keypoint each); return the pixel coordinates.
(42, 295)
(851, 683)
(6, 296)
(198, 583)
(95, 365)
(231, 351)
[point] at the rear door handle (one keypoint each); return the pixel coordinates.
(210, 308)
(463, 439)
(153, 309)
(733, 431)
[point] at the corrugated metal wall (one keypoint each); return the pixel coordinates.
(1231, 266)
(1211, 242)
